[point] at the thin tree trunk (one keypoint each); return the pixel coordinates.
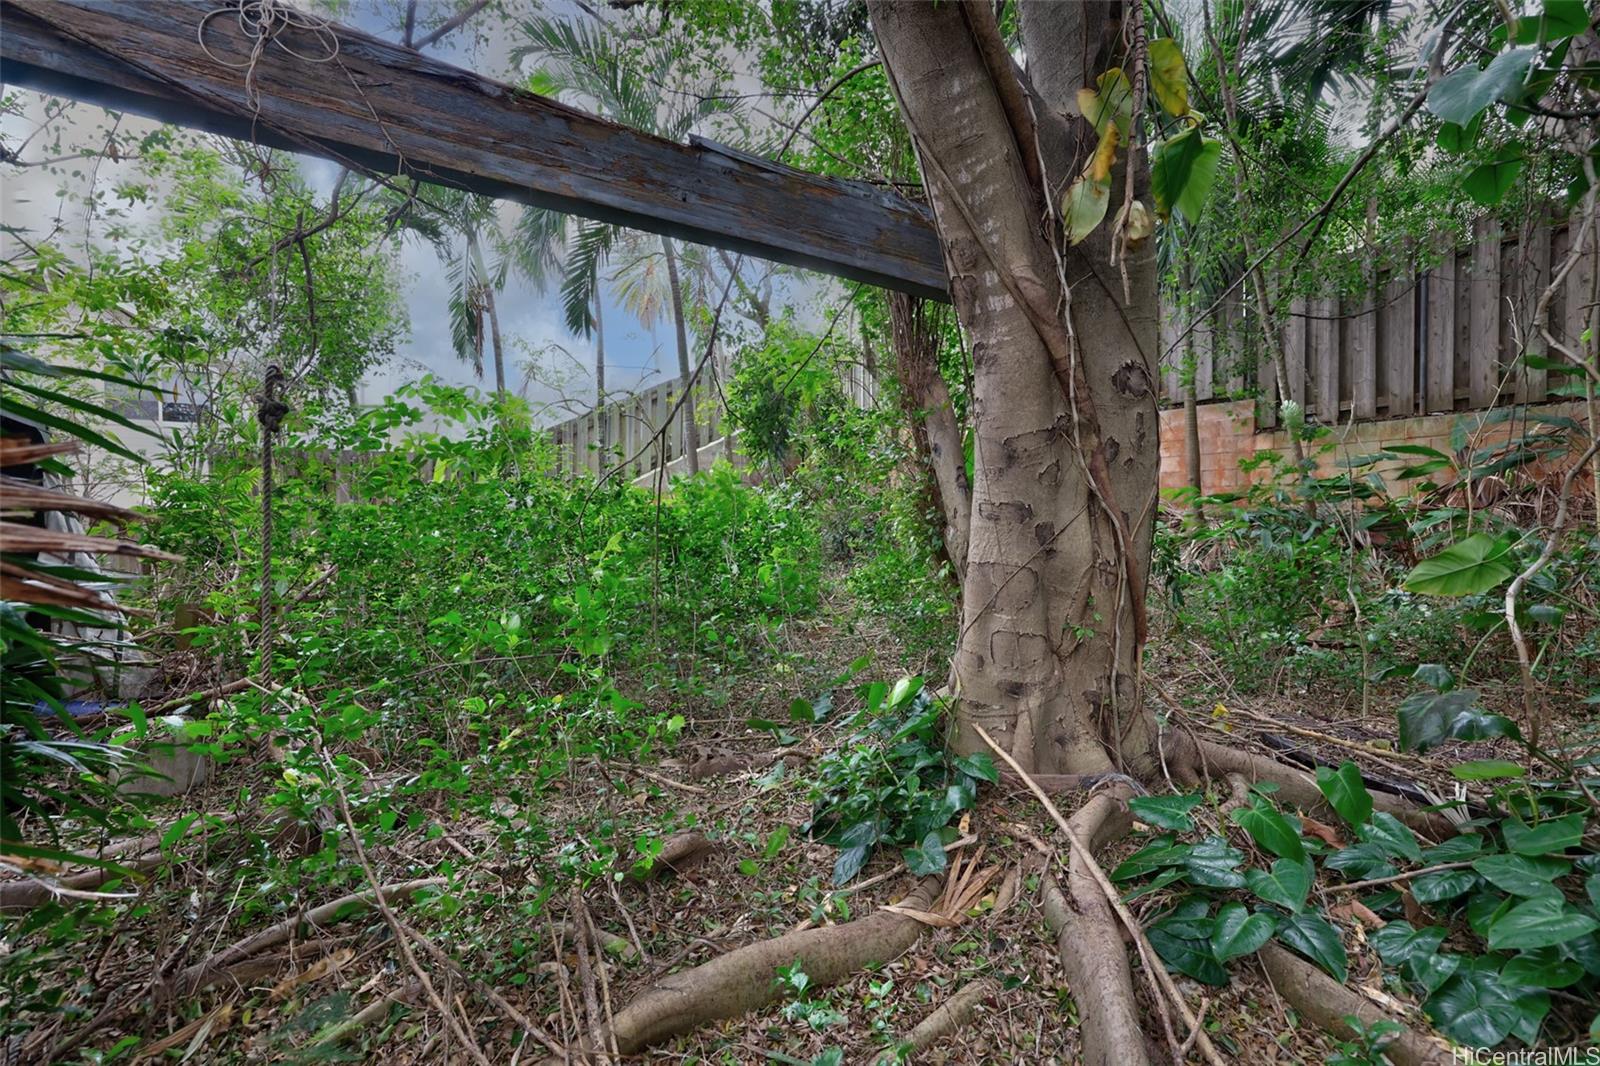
(690, 425)
(1064, 490)
(494, 335)
(600, 381)
(1191, 408)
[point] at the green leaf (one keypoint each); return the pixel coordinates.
(1084, 206)
(1239, 932)
(904, 689)
(1446, 884)
(1360, 861)
(1315, 937)
(1398, 943)
(1151, 858)
(1474, 1008)
(1539, 923)
(927, 857)
(1488, 183)
(1564, 18)
(1110, 102)
(1522, 875)
(1169, 79)
(1466, 568)
(1391, 836)
(1184, 944)
(1182, 171)
(978, 765)
(1161, 880)
(1458, 140)
(1345, 792)
(1486, 770)
(1428, 718)
(1166, 812)
(1550, 837)
(1542, 968)
(1287, 884)
(1460, 95)
(1214, 863)
(802, 711)
(1270, 830)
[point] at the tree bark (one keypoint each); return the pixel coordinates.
(600, 383)
(1064, 490)
(926, 401)
(494, 336)
(691, 427)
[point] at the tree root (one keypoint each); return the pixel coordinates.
(949, 1016)
(743, 980)
(1299, 789)
(1092, 952)
(678, 852)
(274, 935)
(1326, 1002)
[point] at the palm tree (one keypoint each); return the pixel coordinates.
(582, 63)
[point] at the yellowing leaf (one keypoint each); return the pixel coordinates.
(1169, 79)
(1111, 104)
(1105, 154)
(1140, 224)
(1084, 206)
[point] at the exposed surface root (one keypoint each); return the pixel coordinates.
(1092, 952)
(743, 980)
(678, 852)
(1326, 1002)
(1296, 787)
(949, 1016)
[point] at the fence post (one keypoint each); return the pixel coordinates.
(1439, 379)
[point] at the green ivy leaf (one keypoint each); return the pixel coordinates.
(1214, 863)
(1151, 858)
(1446, 884)
(1287, 884)
(1238, 932)
(1474, 1008)
(1166, 812)
(1427, 718)
(1270, 830)
(1346, 793)
(1398, 942)
(1457, 140)
(1360, 861)
(1184, 944)
(1539, 923)
(1466, 568)
(1460, 95)
(1550, 837)
(1542, 968)
(1315, 937)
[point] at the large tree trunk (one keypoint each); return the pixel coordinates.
(691, 427)
(1064, 490)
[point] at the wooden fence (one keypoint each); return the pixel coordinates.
(1439, 340)
(631, 428)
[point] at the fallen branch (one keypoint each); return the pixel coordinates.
(949, 1016)
(1326, 1002)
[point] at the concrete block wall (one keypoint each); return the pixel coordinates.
(1228, 436)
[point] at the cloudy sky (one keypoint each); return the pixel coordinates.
(531, 322)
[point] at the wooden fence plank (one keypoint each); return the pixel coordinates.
(1294, 350)
(1439, 365)
(1533, 273)
(1483, 315)
(1364, 353)
(1323, 356)
(1397, 338)
(1580, 298)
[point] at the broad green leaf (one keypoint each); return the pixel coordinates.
(1539, 923)
(1151, 858)
(1184, 944)
(1317, 939)
(1169, 79)
(1391, 836)
(1167, 812)
(1550, 837)
(1084, 206)
(1361, 861)
(1460, 95)
(1238, 932)
(1427, 718)
(1286, 884)
(1182, 171)
(1564, 18)
(1486, 770)
(1474, 1008)
(1397, 942)
(1476, 564)
(1458, 140)
(1109, 104)
(1486, 908)
(1431, 971)
(1346, 793)
(1270, 830)
(1522, 875)
(978, 765)
(1446, 884)
(800, 710)
(927, 857)
(1542, 968)
(1161, 880)
(1214, 863)
(1488, 183)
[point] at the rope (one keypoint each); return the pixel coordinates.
(262, 22)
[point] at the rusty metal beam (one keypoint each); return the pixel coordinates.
(383, 108)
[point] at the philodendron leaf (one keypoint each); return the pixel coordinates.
(1549, 837)
(1166, 812)
(928, 857)
(1270, 830)
(1238, 932)
(1460, 95)
(1346, 793)
(1398, 943)
(1474, 1008)
(1391, 836)
(1486, 770)
(1182, 171)
(1317, 939)
(1184, 944)
(1539, 923)
(1488, 183)
(1466, 568)
(1427, 718)
(1169, 79)
(1287, 884)
(1214, 863)
(1523, 875)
